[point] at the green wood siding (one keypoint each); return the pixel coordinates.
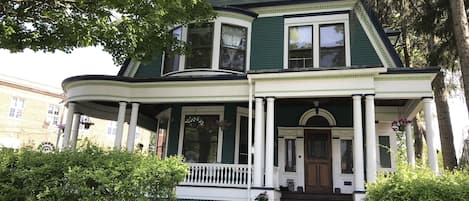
(173, 138)
(150, 70)
(362, 51)
(229, 134)
(267, 43)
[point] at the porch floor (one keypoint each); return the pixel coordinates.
(297, 196)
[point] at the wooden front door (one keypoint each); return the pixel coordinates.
(318, 159)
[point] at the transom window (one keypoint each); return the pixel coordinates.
(317, 41)
(219, 45)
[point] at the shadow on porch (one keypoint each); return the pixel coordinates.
(298, 196)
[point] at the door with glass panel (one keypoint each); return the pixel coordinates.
(318, 160)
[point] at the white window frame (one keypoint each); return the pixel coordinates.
(112, 126)
(203, 110)
(392, 153)
(216, 45)
(14, 106)
(240, 112)
(316, 21)
(52, 116)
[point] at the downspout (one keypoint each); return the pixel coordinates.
(249, 138)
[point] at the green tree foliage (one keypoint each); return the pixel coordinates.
(87, 174)
(427, 40)
(410, 184)
(125, 28)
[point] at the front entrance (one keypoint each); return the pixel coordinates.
(318, 159)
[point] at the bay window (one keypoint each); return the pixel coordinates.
(220, 46)
(233, 47)
(172, 61)
(200, 39)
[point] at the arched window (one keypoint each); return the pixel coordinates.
(317, 121)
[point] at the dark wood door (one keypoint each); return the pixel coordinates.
(318, 177)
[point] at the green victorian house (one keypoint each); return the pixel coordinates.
(288, 99)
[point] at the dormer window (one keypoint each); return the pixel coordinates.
(220, 47)
(317, 41)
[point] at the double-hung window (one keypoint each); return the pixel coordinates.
(221, 45)
(317, 41)
(200, 137)
(53, 114)
(16, 108)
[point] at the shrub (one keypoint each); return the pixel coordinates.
(418, 184)
(89, 173)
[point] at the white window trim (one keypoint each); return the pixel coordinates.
(393, 153)
(13, 106)
(50, 116)
(240, 112)
(203, 110)
(340, 155)
(216, 45)
(316, 21)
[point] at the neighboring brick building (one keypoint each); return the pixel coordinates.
(31, 114)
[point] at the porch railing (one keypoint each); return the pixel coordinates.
(209, 174)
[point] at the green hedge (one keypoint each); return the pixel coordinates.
(417, 184)
(87, 174)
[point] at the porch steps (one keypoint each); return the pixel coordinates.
(297, 196)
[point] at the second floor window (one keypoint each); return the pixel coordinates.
(317, 41)
(233, 47)
(221, 45)
(16, 108)
(53, 114)
(200, 39)
(300, 47)
(332, 45)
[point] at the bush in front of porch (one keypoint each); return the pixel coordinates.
(89, 173)
(420, 184)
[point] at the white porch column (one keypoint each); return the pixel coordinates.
(370, 138)
(427, 104)
(409, 145)
(68, 125)
(132, 127)
(258, 173)
(358, 170)
(120, 125)
(75, 129)
(269, 143)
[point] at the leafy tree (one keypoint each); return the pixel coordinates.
(427, 40)
(461, 33)
(125, 28)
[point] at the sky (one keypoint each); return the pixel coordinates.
(52, 68)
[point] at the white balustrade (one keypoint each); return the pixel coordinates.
(209, 174)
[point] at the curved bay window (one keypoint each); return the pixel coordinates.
(220, 46)
(200, 38)
(172, 61)
(233, 47)
(200, 138)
